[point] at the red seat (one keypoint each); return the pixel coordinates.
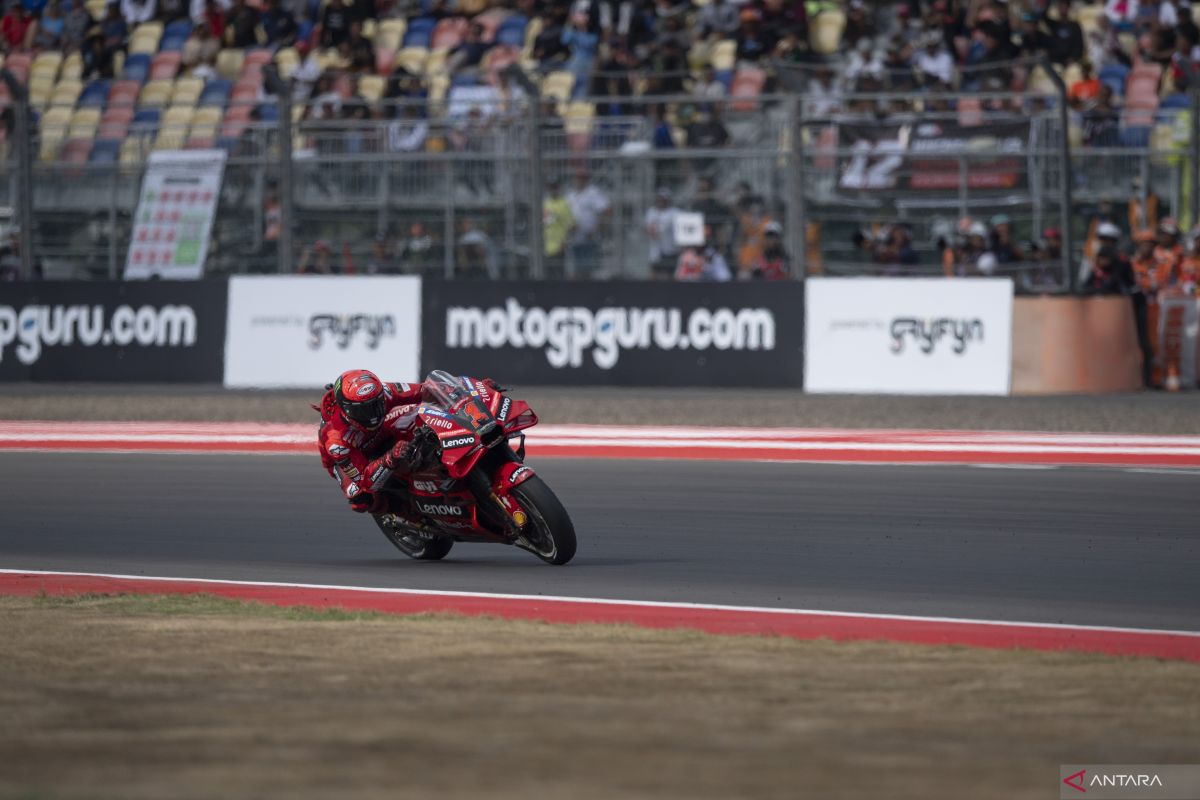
(115, 122)
(164, 66)
(244, 91)
(76, 151)
(490, 20)
(384, 60)
(124, 93)
(236, 120)
(449, 33)
(200, 143)
(748, 82)
(18, 65)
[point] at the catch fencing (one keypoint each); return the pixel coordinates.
(468, 186)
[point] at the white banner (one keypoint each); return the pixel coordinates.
(175, 214)
(303, 331)
(1178, 325)
(908, 335)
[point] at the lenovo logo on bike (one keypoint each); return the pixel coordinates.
(440, 509)
(567, 333)
(927, 333)
(502, 414)
(461, 441)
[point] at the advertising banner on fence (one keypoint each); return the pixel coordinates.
(112, 331)
(175, 214)
(1175, 348)
(618, 333)
(908, 335)
(303, 331)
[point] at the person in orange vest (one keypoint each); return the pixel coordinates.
(1189, 268)
(1168, 254)
(1145, 292)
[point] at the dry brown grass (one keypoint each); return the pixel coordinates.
(146, 697)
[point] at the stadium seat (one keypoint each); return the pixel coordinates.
(499, 58)
(136, 68)
(84, 123)
(46, 63)
(385, 59)
(390, 34)
(413, 59)
(532, 31)
(165, 66)
(724, 53)
(18, 65)
(173, 130)
(748, 83)
(124, 93)
(1175, 101)
(267, 112)
(448, 33)
(187, 91)
(436, 63)
(96, 8)
(1113, 76)
(145, 38)
(115, 122)
(229, 63)
(106, 151)
(558, 85)
(40, 88)
(155, 94)
(463, 80)
(511, 31)
(419, 33)
(825, 31)
(55, 118)
(256, 59)
(215, 93)
(205, 124)
(287, 60)
(244, 91)
(72, 67)
(76, 151)
(371, 87)
(579, 117)
(145, 121)
(237, 118)
(134, 150)
(51, 142)
(180, 27)
(172, 44)
(66, 93)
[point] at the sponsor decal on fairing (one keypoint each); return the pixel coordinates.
(425, 486)
(519, 474)
(502, 414)
(460, 441)
(440, 509)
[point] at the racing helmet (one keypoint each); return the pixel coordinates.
(359, 394)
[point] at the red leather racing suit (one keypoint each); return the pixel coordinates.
(356, 458)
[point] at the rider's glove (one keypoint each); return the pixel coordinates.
(412, 455)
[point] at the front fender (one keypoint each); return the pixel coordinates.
(509, 475)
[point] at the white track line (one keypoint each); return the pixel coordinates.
(612, 602)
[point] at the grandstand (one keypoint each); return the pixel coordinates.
(108, 91)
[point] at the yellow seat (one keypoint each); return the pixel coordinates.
(723, 55)
(145, 38)
(413, 59)
(371, 87)
(187, 91)
(56, 118)
(229, 63)
(558, 85)
(84, 123)
(40, 89)
(97, 8)
(332, 59)
(288, 61)
(66, 93)
(825, 32)
(155, 94)
(72, 67)
(206, 122)
(439, 85)
(532, 31)
(579, 116)
(393, 28)
(436, 63)
(387, 40)
(133, 150)
(46, 63)
(51, 142)
(173, 129)
(369, 28)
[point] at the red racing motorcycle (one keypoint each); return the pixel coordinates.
(478, 488)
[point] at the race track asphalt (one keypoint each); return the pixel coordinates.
(1084, 546)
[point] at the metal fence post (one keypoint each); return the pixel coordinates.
(23, 152)
(1193, 193)
(282, 89)
(1064, 122)
(797, 210)
(536, 244)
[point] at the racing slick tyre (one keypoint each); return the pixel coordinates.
(549, 534)
(412, 542)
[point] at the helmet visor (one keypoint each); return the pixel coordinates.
(368, 413)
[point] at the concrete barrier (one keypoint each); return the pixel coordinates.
(1074, 345)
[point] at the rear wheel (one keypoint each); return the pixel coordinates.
(412, 542)
(549, 534)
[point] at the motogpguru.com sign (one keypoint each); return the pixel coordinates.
(566, 334)
(617, 333)
(112, 331)
(908, 335)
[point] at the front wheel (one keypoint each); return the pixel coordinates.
(412, 542)
(549, 533)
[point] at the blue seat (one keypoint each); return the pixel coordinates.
(95, 94)
(137, 68)
(725, 78)
(216, 92)
(227, 143)
(172, 43)
(465, 80)
(1136, 136)
(419, 33)
(267, 112)
(145, 122)
(512, 31)
(1114, 76)
(180, 27)
(106, 151)
(304, 33)
(1175, 101)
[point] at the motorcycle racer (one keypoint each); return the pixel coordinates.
(369, 431)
